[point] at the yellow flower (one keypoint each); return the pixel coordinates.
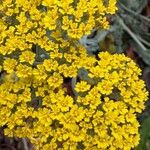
(68, 71)
(50, 65)
(130, 117)
(82, 86)
(74, 32)
(66, 22)
(49, 3)
(105, 87)
(50, 19)
(55, 80)
(9, 65)
(27, 56)
(40, 72)
(23, 71)
(110, 9)
(65, 103)
(25, 96)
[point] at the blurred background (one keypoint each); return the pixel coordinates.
(130, 34)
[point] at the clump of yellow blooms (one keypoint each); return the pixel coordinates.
(35, 104)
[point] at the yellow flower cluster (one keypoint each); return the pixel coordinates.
(38, 50)
(102, 116)
(77, 18)
(113, 102)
